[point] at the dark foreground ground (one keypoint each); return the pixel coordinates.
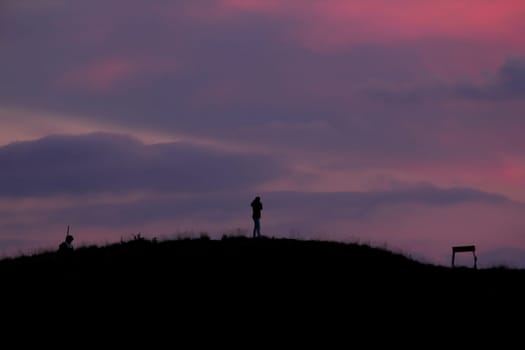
(241, 283)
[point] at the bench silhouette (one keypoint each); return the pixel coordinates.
(462, 249)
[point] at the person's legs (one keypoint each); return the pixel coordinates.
(256, 227)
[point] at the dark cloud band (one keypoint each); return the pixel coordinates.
(108, 163)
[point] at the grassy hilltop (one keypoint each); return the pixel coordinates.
(270, 262)
(239, 281)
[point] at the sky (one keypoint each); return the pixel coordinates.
(394, 124)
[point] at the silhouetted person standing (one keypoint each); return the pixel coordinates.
(256, 216)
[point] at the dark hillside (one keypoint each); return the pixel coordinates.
(231, 261)
(235, 258)
(284, 279)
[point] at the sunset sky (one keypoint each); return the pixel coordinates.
(393, 123)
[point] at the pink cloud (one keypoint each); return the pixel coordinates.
(332, 24)
(254, 5)
(344, 23)
(103, 74)
(106, 74)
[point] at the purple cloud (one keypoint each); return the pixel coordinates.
(507, 83)
(108, 163)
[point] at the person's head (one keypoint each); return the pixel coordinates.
(69, 238)
(257, 198)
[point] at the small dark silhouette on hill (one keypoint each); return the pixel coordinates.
(462, 249)
(66, 246)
